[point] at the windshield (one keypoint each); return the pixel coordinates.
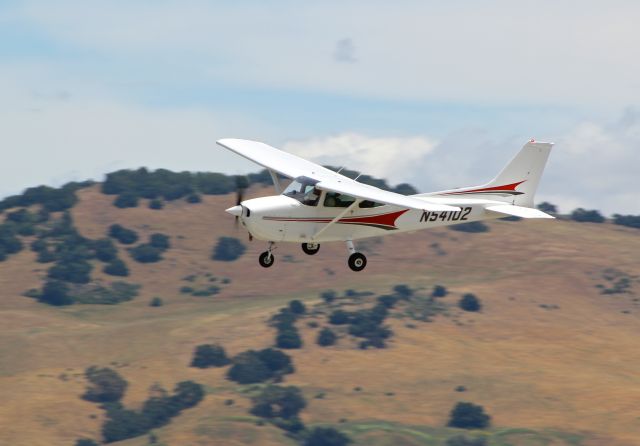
(303, 190)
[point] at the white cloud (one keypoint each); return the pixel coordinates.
(492, 52)
(386, 157)
(593, 165)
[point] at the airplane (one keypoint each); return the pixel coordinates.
(320, 205)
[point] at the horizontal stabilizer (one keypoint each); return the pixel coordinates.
(518, 211)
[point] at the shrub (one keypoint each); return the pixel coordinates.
(339, 317)
(548, 207)
(403, 291)
(71, 270)
(328, 296)
(9, 243)
(439, 291)
(252, 366)
(156, 204)
(297, 307)
(111, 295)
(469, 302)
(156, 302)
(122, 234)
(248, 368)
(159, 241)
(473, 226)
(106, 385)
(278, 402)
(55, 293)
(326, 436)
(122, 424)
(388, 301)
(228, 249)
(326, 337)
(194, 198)
(587, 216)
(187, 394)
(468, 416)
(116, 268)
(288, 339)
(284, 319)
(105, 250)
(277, 361)
(632, 221)
(209, 355)
(126, 200)
(145, 253)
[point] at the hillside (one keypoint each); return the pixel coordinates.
(551, 358)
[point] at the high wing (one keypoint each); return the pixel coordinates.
(293, 167)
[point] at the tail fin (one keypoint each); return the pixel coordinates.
(517, 183)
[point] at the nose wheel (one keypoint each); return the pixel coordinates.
(311, 248)
(267, 258)
(357, 261)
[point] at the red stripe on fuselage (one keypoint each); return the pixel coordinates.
(506, 188)
(388, 219)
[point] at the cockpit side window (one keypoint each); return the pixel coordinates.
(336, 200)
(369, 204)
(304, 190)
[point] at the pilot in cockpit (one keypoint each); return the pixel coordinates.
(312, 196)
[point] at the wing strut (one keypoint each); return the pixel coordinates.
(338, 217)
(276, 181)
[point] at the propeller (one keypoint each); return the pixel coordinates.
(242, 183)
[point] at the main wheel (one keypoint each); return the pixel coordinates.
(357, 261)
(266, 259)
(311, 248)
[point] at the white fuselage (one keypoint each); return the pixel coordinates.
(284, 219)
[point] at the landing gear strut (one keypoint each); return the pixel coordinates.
(311, 248)
(357, 261)
(266, 259)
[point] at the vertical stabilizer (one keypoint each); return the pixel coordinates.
(517, 183)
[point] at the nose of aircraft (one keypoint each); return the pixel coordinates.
(235, 211)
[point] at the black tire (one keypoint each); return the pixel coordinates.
(266, 259)
(357, 261)
(310, 251)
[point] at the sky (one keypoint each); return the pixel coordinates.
(436, 94)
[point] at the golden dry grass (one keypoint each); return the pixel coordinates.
(573, 369)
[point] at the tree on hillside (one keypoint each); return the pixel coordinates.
(469, 302)
(248, 368)
(547, 207)
(55, 292)
(160, 241)
(439, 291)
(326, 337)
(278, 402)
(587, 216)
(105, 250)
(468, 416)
(116, 268)
(288, 339)
(145, 253)
(126, 200)
(106, 385)
(209, 355)
(297, 307)
(122, 234)
(228, 249)
(632, 221)
(326, 436)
